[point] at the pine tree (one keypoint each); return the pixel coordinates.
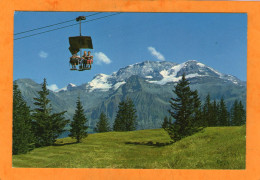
(126, 116)
(102, 125)
(223, 116)
(183, 111)
(234, 114)
(23, 139)
(78, 125)
(120, 121)
(242, 113)
(131, 116)
(46, 126)
(207, 112)
(237, 114)
(197, 120)
(215, 109)
(165, 123)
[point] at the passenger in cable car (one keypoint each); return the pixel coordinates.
(75, 60)
(84, 59)
(87, 59)
(90, 59)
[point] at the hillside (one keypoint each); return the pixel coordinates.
(212, 148)
(149, 84)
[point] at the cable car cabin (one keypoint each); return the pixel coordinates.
(76, 44)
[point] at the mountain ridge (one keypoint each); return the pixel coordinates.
(165, 72)
(148, 83)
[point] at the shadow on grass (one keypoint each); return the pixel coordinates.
(150, 143)
(65, 144)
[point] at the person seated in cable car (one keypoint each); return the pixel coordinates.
(75, 60)
(87, 59)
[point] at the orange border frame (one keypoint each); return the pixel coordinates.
(253, 87)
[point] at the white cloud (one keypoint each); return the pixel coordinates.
(156, 54)
(100, 57)
(43, 54)
(53, 87)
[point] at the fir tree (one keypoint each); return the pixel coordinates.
(214, 117)
(242, 113)
(120, 120)
(223, 116)
(237, 114)
(102, 125)
(165, 123)
(131, 116)
(78, 125)
(197, 113)
(126, 116)
(183, 111)
(207, 112)
(23, 139)
(47, 126)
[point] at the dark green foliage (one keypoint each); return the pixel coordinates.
(46, 126)
(165, 123)
(126, 116)
(214, 116)
(119, 124)
(238, 115)
(185, 109)
(197, 113)
(102, 125)
(207, 112)
(23, 139)
(210, 112)
(78, 125)
(223, 115)
(242, 113)
(131, 116)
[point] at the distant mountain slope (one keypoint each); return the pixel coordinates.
(148, 83)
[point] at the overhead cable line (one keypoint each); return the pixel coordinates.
(66, 26)
(53, 25)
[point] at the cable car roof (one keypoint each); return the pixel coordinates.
(80, 42)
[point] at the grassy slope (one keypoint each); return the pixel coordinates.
(213, 148)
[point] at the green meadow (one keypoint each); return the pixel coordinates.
(212, 148)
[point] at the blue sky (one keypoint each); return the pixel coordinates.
(218, 40)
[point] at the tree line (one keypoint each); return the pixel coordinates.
(191, 116)
(41, 127)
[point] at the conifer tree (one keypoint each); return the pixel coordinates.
(47, 126)
(165, 123)
(78, 125)
(131, 116)
(120, 120)
(242, 113)
(214, 117)
(126, 116)
(102, 125)
(237, 114)
(23, 139)
(207, 112)
(197, 120)
(223, 116)
(183, 111)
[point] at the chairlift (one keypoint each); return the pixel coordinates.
(77, 43)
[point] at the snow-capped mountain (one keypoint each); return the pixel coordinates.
(157, 72)
(69, 87)
(149, 84)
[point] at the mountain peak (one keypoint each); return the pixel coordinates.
(157, 72)
(71, 85)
